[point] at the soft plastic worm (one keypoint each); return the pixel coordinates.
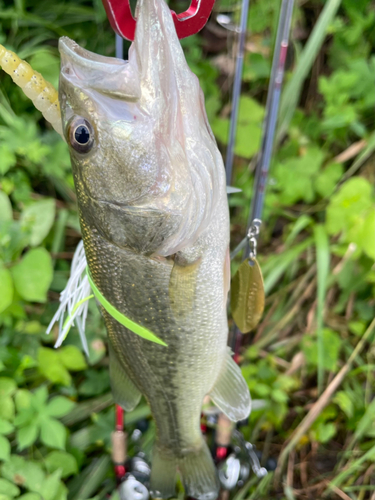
(43, 95)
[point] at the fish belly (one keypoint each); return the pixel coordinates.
(182, 300)
(173, 379)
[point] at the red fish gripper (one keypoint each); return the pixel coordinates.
(187, 23)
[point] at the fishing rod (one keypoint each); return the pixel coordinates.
(236, 90)
(269, 126)
(249, 243)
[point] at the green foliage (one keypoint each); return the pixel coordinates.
(351, 213)
(249, 129)
(32, 276)
(54, 365)
(55, 427)
(37, 417)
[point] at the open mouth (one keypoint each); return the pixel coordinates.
(110, 76)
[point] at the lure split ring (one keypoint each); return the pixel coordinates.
(187, 23)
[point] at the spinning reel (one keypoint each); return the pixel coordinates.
(234, 456)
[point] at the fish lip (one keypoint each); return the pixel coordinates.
(84, 57)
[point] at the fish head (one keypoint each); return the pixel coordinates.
(146, 167)
(104, 126)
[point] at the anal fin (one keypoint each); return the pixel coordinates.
(124, 391)
(231, 393)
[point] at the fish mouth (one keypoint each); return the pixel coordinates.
(109, 76)
(82, 57)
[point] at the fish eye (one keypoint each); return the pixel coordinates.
(81, 135)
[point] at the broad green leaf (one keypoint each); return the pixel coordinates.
(304, 168)
(331, 349)
(30, 496)
(62, 492)
(6, 213)
(279, 396)
(50, 365)
(353, 198)
(249, 127)
(325, 431)
(72, 358)
(96, 382)
(368, 236)
(63, 461)
(50, 486)
(5, 427)
(6, 288)
(39, 216)
(27, 435)
(33, 275)
(30, 327)
(7, 159)
(24, 417)
(327, 179)
(7, 386)
(6, 407)
(40, 397)
(4, 448)
(53, 433)
(248, 139)
(343, 400)
(8, 488)
(23, 473)
(22, 399)
(59, 406)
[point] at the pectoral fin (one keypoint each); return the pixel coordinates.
(182, 285)
(231, 393)
(124, 391)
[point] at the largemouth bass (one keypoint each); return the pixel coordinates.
(153, 211)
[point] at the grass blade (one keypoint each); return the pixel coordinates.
(275, 267)
(322, 262)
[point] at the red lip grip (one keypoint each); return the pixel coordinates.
(187, 23)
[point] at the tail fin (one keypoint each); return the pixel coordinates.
(199, 475)
(197, 471)
(163, 474)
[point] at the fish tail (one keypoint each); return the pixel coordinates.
(198, 474)
(163, 474)
(197, 471)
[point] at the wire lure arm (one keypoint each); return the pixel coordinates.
(187, 23)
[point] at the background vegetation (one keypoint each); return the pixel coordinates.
(317, 251)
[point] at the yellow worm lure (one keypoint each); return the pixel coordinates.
(43, 95)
